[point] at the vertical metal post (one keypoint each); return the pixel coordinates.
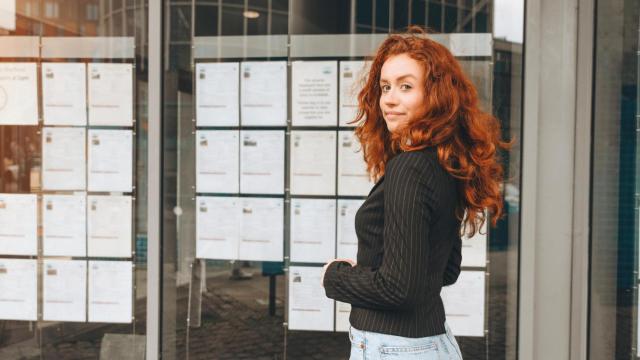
(352, 17)
(548, 161)
(582, 183)
(154, 259)
(442, 17)
(392, 16)
(527, 257)
(373, 16)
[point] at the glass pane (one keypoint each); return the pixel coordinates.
(73, 185)
(238, 243)
(613, 330)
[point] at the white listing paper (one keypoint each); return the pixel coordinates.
(110, 291)
(261, 229)
(217, 161)
(64, 290)
(64, 225)
(262, 162)
(18, 94)
(8, 14)
(313, 163)
(18, 224)
(110, 160)
(353, 178)
(313, 229)
(64, 94)
(347, 238)
(343, 310)
(474, 249)
(314, 93)
(352, 78)
(109, 226)
(18, 289)
(464, 304)
(309, 308)
(63, 158)
(264, 93)
(217, 91)
(110, 94)
(217, 227)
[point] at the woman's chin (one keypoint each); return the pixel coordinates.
(392, 126)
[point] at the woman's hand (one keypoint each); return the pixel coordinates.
(324, 268)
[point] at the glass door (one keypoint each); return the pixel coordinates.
(262, 175)
(73, 185)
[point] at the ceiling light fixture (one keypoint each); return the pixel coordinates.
(250, 14)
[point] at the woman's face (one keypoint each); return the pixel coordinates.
(402, 85)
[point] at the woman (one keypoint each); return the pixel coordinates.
(434, 154)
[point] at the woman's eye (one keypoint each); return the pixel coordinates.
(405, 86)
(386, 88)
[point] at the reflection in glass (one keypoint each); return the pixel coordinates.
(237, 308)
(65, 326)
(614, 275)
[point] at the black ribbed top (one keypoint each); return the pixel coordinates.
(408, 248)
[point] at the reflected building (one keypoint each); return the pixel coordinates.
(240, 308)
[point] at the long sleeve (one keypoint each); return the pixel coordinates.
(410, 197)
(452, 271)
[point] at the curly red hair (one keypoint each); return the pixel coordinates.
(467, 139)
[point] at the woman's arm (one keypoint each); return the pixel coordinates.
(452, 271)
(410, 198)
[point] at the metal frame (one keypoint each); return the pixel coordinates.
(539, 329)
(526, 282)
(582, 182)
(548, 125)
(65, 47)
(556, 162)
(154, 160)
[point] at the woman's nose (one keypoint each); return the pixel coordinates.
(390, 98)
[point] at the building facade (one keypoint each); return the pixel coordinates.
(174, 175)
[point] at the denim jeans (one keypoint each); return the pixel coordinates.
(366, 345)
